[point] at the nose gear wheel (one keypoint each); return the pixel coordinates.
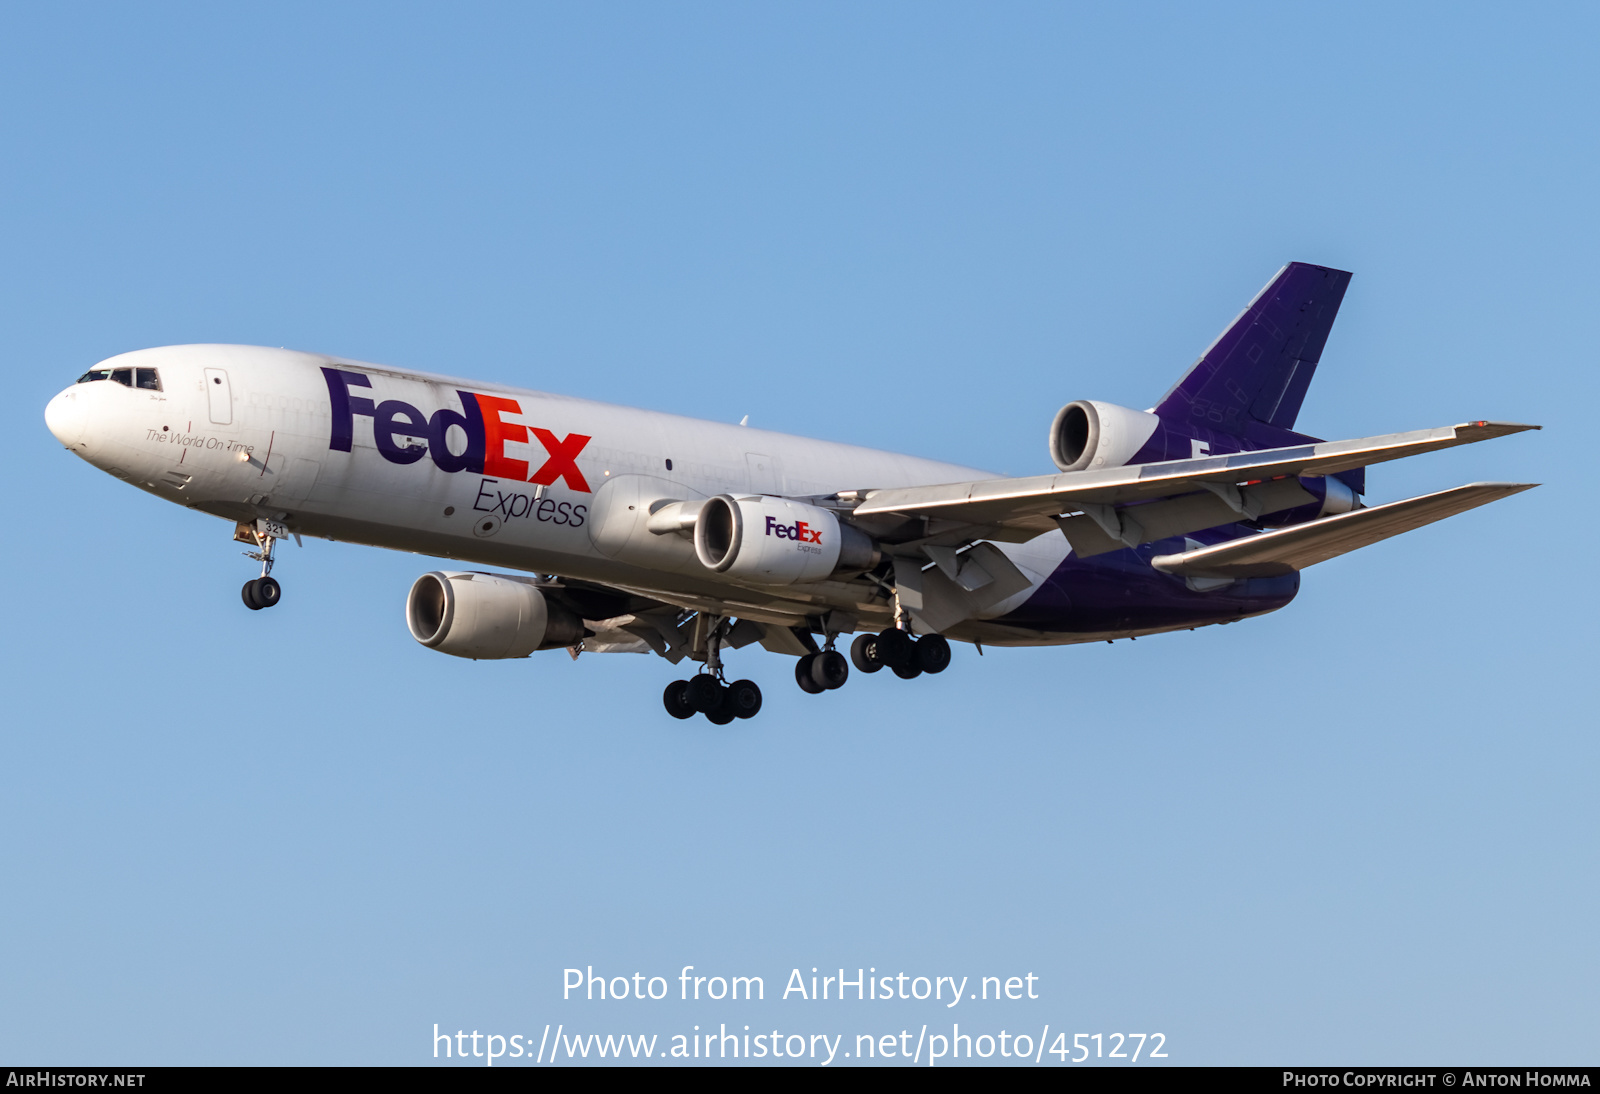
(262, 592)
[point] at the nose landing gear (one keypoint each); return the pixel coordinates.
(264, 591)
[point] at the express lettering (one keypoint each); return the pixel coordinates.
(799, 531)
(513, 504)
(403, 434)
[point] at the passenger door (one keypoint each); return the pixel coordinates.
(219, 396)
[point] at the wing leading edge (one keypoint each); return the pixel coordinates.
(1118, 500)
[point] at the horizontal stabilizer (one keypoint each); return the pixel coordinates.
(1287, 549)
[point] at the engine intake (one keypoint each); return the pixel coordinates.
(1088, 435)
(487, 616)
(775, 541)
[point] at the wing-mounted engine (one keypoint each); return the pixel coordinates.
(487, 616)
(778, 541)
(1088, 435)
(759, 539)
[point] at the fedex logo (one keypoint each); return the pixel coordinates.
(799, 531)
(396, 424)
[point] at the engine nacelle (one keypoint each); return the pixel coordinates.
(486, 616)
(1088, 435)
(775, 541)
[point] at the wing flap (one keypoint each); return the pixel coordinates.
(956, 589)
(1287, 549)
(996, 501)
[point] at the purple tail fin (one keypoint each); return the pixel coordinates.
(1257, 371)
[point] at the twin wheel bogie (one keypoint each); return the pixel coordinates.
(261, 592)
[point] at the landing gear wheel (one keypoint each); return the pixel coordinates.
(829, 670)
(743, 698)
(907, 672)
(268, 591)
(933, 653)
(896, 648)
(263, 592)
(721, 716)
(864, 653)
(676, 700)
(704, 693)
(802, 675)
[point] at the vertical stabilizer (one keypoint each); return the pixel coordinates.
(1258, 370)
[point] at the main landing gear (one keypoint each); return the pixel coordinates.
(705, 694)
(907, 657)
(708, 694)
(900, 653)
(820, 672)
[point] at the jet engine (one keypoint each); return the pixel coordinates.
(487, 616)
(776, 541)
(1088, 435)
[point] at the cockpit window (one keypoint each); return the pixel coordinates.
(146, 378)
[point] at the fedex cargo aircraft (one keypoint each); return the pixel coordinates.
(632, 531)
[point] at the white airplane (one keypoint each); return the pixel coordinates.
(635, 531)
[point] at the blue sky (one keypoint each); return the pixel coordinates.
(1361, 829)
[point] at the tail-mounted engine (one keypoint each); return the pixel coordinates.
(1088, 435)
(775, 541)
(487, 616)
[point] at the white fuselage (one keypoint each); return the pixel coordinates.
(249, 433)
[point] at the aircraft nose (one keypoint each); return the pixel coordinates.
(66, 417)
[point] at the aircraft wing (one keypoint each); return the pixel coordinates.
(1116, 503)
(1279, 552)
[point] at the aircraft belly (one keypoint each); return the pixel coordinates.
(1120, 594)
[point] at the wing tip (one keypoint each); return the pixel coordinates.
(1506, 488)
(1498, 429)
